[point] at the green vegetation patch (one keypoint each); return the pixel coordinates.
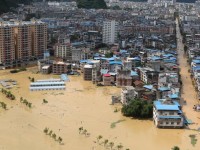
(113, 124)
(138, 109)
(193, 139)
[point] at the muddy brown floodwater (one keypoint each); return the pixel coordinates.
(82, 104)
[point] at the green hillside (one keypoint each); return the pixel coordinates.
(88, 4)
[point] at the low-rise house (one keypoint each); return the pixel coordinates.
(127, 93)
(167, 114)
(123, 78)
(46, 69)
(108, 79)
(60, 68)
(52, 84)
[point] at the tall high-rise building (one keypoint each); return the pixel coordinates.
(7, 43)
(110, 29)
(39, 39)
(21, 42)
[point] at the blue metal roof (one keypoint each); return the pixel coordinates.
(115, 62)
(160, 106)
(196, 61)
(164, 89)
(134, 73)
(168, 55)
(150, 87)
(166, 107)
(64, 77)
(170, 117)
(83, 61)
(47, 83)
(123, 51)
(174, 96)
(104, 71)
(48, 87)
(155, 58)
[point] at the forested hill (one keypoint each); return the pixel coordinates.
(5, 5)
(183, 1)
(97, 4)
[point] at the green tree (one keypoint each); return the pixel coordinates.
(33, 80)
(80, 129)
(111, 144)
(59, 139)
(138, 109)
(46, 130)
(54, 136)
(99, 138)
(119, 146)
(175, 148)
(105, 142)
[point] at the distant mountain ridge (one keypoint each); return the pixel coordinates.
(5, 5)
(182, 1)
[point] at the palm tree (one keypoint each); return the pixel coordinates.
(29, 105)
(175, 148)
(80, 129)
(119, 146)
(111, 144)
(50, 133)
(59, 139)
(105, 142)
(21, 99)
(54, 136)
(46, 130)
(85, 132)
(99, 138)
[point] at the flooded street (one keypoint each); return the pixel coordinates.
(189, 94)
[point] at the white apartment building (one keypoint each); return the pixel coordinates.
(110, 29)
(167, 114)
(64, 51)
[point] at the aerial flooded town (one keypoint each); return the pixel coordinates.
(99, 75)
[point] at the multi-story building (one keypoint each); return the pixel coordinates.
(64, 51)
(21, 42)
(127, 93)
(39, 38)
(60, 68)
(167, 113)
(87, 72)
(110, 29)
(7, 43)
(123, 78)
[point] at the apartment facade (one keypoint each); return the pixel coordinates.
(64, 51)
(110, 29)
(21, 42)
(167, 114)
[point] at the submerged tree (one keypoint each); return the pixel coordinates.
(175, 148)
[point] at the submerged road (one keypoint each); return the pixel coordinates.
(188, 91)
